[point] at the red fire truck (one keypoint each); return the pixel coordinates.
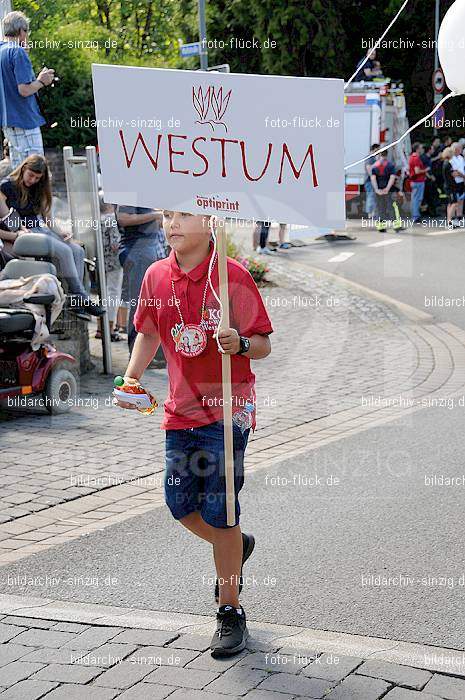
(374, 112)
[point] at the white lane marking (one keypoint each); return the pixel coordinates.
(342, 257)
(443, 232)
(389, 241)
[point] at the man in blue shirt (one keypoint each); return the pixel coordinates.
(20, 116)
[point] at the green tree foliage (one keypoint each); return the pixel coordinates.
(70, 36)
(309, 36)
(230, 22)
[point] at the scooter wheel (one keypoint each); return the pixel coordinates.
(60, 390)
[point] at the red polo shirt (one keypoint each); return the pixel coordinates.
(416, 162)
(195, 386)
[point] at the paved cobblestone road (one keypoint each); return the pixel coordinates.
(75, 661)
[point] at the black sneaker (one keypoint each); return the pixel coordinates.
(81, 304)
(248, 545)
(231, 632)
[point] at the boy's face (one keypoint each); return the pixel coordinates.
(185, 232)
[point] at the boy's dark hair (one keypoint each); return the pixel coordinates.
(375, 147)
(383, 154)
(416, 146)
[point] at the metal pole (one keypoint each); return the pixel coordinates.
(436, 32)
(68, 156)
(91, 156)
(203, 36)
(437, 98)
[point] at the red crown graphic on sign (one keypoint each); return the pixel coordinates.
(211, 106)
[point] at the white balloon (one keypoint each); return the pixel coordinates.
(451, 47)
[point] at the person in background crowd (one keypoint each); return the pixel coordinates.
(122, 314)
(458, 166)
(113, 270)
(260, 234)
(417, 178)
(450, 186)
(370, 202)
(20, 116)
(142, 243)
(383, 178)
(5, 163)
(371, 69)
(448, 141)
(123, 311)
(260, 238)
(28, 191)
(283, 245)
(431, 188)
(436, 160)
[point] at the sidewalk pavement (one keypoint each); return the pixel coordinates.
(74, 651)
(77, 651)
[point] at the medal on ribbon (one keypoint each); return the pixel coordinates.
(190, 339)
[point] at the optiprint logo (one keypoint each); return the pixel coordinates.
(218, 204)
(211, 106)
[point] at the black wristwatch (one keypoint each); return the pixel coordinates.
(245, 345)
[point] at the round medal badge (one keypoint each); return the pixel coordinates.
(192, 341)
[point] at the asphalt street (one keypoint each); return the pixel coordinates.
(323, 547)
(412, 266)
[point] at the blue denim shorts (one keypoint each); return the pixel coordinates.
(194, 476)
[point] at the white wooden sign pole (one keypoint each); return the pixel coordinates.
(226, 378)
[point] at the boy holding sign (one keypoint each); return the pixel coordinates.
(178, 309)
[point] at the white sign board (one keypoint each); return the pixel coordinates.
(239, 146)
